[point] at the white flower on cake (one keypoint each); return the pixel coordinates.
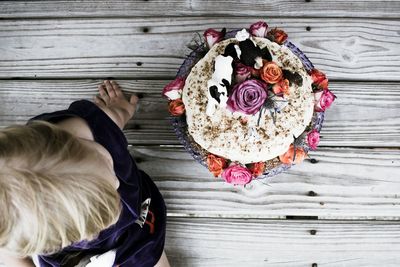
(247, 51)
(220, 81)
(174, 94)
(242, 35)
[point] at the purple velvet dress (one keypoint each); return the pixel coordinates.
(139, 234)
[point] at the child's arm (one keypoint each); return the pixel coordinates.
(12, 261)
(113, 102)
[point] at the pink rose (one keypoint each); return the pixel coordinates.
(242, 72)
(313, 139)
(237, 174)
(173, 90)
(213, 36)
(259, 29)
(323, 100)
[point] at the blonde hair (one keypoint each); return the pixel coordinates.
(48, 196)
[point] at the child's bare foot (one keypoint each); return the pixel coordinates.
(114, 103)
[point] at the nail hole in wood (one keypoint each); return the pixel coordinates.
(139, 160)
(308, 28)
(139, 63)
(312, 194)
(145, 29)
(140, 95)
(314, 265)
(308, 1)
(313, 232)
(299, 217)
(136, 126)
(313, 161)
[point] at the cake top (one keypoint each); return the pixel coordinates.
(253, 133)
(250, 102)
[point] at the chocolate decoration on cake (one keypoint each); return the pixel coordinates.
(230, 50)
(250, 52)
(265, 54)
(293, 77)
(214, 93)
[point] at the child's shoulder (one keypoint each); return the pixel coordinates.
(77, 127)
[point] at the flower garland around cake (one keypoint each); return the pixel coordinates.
(247, 80)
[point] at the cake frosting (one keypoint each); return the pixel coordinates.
(237, 136)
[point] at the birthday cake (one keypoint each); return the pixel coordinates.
(248, 103)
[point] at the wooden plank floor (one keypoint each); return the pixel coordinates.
(343, 210)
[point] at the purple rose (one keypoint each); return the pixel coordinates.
(259, 29)
(242, 72)
(247, 97)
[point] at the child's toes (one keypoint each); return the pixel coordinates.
(134, 99)
(110, 89)
(103, 94)
(116, 88)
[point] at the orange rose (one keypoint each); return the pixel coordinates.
(319, 79)
(176, 107)
(287, 158)
(215, 164)
(277, 36)
(281, 87)
(257, 168)
(270, 72)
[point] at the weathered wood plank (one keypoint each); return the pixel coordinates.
(346, 184)
(220, 242)
(217, 242)
(365, 113)
(281, 8)
(351, 49)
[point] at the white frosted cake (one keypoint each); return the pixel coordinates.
(225, 134)
(250, 105)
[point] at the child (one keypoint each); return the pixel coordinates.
(72, 195)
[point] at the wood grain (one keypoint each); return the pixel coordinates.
(218, 242)
(212, 223)
(346, 183)
(365, 114)
(351, 49)
(279, 8)
(199, 242)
